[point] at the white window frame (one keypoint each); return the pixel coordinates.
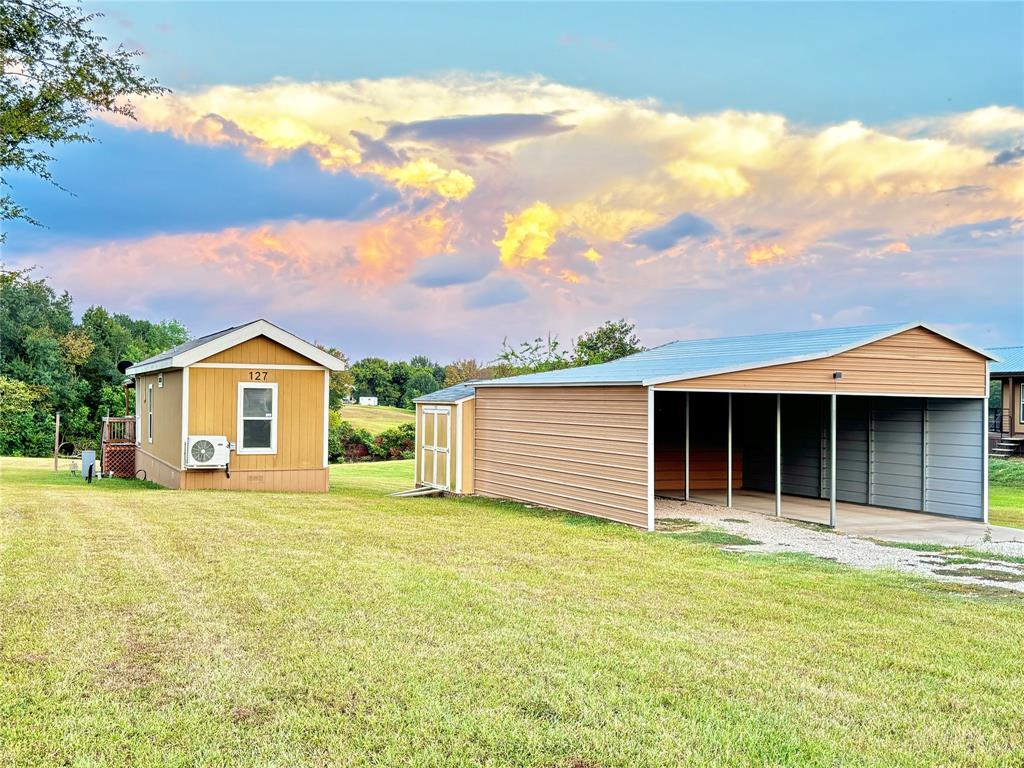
(240, 441)
(149, 412)
(1020, 402)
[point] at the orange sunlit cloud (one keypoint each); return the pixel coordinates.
(761, 254)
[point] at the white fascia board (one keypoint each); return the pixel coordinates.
(158, 365)
(443, 402)
(239, 336)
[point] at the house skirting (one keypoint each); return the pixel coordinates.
(292, 480)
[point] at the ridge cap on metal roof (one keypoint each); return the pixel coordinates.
(825, 329)
(857, 336)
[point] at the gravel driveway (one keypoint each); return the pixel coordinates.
(771, 534)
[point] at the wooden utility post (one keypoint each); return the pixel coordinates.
(56, 440)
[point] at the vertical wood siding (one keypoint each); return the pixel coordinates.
(213, 410)
(262, 349)
(468, 457)
(167, 443)
(916, 362)
(583, 449)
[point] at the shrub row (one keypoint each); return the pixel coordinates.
(346, 442)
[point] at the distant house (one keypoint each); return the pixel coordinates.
(368, 401)
(1006, 421)
(244, 408)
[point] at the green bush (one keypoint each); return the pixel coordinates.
(394, 443)
(348, 443)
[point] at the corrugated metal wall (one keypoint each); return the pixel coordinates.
(578, 448)
(885, 444)
(852, 459)
(801, 445)
(954, 457)
(896, 445)
(756, 423)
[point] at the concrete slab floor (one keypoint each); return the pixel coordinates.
(987, 563)
(864, 521)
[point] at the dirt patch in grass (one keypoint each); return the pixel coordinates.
(719, 538)
(138, 666)
(677, 524)
(990, 574)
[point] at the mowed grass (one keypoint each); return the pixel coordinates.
(376, 418)
(150, 627)
(1006, 492)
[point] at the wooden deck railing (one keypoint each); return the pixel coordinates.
(119, 429)
(118, 446)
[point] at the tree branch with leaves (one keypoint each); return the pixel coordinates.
(56, 73)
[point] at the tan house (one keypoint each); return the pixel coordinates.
(244, 408)
(1006, 421)
(813, 424)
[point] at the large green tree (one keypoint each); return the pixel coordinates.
(372, 378)
(50, 363)
(56, 72)
(609, 341)
(465, 370)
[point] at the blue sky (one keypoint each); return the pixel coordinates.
(814, 62)
(431, 178)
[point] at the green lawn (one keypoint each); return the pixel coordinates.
(150, 627)
(1006, 492)
(375, 419)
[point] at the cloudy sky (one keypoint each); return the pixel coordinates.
(431, 179)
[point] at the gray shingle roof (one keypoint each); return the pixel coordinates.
(1011, 360)
(704, 357)
(192, 344)
(448, 394)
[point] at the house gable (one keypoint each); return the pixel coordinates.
(259, 351)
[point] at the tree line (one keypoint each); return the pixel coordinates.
(49, 363)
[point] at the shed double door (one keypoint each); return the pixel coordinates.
(435, 447)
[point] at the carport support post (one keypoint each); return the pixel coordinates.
(778, 455)
(650, 458)
(832, 513)
(728, 455)
(984, 446)
(686, 451)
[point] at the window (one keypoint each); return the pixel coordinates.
(149, 412)
(1020, 401)
(257, 418)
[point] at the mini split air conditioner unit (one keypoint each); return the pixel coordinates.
(207, 452)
